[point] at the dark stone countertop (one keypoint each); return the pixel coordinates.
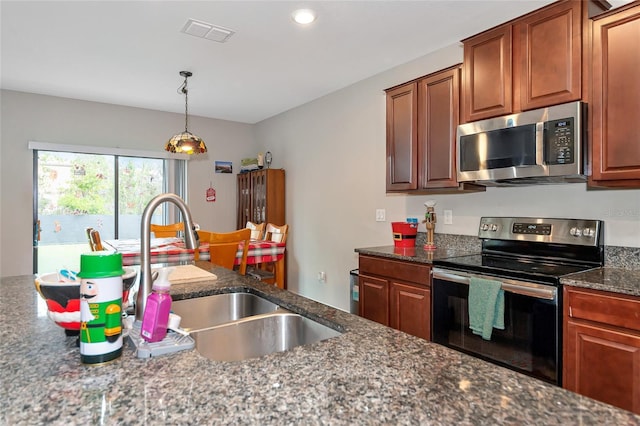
(616, 280)
(369, 375)
(613, 279)
(414, 254)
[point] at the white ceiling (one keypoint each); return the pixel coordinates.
(130, 52)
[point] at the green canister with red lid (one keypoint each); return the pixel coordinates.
(100, 306)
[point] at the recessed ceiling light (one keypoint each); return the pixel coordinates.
(304, 16)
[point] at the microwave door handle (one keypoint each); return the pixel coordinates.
(538, 291)
(540, 144)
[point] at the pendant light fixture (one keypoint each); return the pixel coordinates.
(186, 142)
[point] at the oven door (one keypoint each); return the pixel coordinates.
(530, 340)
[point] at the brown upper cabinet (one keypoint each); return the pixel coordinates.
(438, 118)
(422, 118)
(402, 137)
(615, 106)
(531, 62)
(487, 86)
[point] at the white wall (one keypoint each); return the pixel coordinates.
(334, 152)
(29, 117)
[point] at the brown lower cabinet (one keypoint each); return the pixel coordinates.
(396, 294)
(601, 348)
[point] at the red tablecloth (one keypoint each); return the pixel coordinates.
(172, 250)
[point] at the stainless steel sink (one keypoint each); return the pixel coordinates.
(256, 336)
(208, 311)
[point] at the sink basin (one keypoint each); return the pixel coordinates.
(239, 326)
(208, 311)
(256, 336)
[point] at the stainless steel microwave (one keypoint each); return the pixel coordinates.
(538, 146)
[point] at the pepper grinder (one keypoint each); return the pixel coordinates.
(430, 223)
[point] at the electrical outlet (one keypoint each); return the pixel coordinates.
(322, 276)
(381, 215)
(448, 217)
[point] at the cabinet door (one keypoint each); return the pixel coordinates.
(616, 103)
(487, 82)
(438, 117)
(258, 196)
(411, 309)
(603, 364)
(547, 53)
(374, 299)
(244, 200)
(402, 138)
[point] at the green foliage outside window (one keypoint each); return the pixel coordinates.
(90, 192)
(139, 183)
(77, 184)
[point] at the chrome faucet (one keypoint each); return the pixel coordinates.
(191, 242)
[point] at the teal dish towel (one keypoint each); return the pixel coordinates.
(486, 306)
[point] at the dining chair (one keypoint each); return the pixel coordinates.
(88, 231)
(266, 272)
(166, 231)
(257, 230)
(275, 233)
(204, 236)
(94, 240)
(223, 247)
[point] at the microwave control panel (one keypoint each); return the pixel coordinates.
(559, 136)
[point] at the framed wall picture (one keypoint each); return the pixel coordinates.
(224, 167)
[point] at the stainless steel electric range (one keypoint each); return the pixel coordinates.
(527, 256)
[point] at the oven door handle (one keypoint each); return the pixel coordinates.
(539, 291)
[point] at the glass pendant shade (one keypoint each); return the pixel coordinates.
(185, 142)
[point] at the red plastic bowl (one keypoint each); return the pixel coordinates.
(63, 297)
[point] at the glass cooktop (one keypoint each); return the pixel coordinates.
(511, 267)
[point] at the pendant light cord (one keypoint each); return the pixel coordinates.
(183, 90)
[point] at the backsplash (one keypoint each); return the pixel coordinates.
(614, 256)
(622, 257)
(468, 243)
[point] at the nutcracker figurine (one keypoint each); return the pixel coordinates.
(100, 307)
(430, 223)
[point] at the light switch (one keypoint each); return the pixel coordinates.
(381, 215)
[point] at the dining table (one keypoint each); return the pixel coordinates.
(173, 251)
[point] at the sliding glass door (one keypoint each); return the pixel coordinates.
(139, 180)
(74, 191)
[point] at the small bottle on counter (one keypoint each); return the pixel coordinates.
(155, 319)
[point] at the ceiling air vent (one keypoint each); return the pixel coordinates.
(205, 30)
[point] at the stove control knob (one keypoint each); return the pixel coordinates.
(494, 227)
(484, 227)
(588, 232)
(576, 232)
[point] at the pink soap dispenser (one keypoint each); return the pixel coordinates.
(156, 314)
